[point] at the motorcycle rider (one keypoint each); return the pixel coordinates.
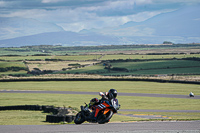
(95, 103)
(112, 93)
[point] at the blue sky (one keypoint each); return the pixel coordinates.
(75, 15)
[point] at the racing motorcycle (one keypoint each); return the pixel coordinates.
(104, 115)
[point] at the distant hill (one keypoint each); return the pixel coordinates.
(64, 37)
(184, 22)
(12, 27)
(180, 26)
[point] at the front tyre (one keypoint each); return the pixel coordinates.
(101, 119)
(79, 119)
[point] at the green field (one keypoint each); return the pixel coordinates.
(137, 59)
(4, 64)
(23, 58)
(18, 117)
(66, 57)
(96, 57)
(144, 67)
(160, 67)
(96, 86)
(78, 57)
(77, 50)
(12, 68)
(135, 56)
(156, 64)
(14, 73)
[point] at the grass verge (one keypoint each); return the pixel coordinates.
(186, 116)
(18, 117)
(97, 86)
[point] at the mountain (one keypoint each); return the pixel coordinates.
(183, 22)
(65, 38)
(180, 26)
(12, 27)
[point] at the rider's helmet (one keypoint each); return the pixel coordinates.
(94, 101)
(112, 93)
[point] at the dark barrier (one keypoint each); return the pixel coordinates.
(18, 107)
(55, 118)
(59, 118)
(69, 118)
(105, 79)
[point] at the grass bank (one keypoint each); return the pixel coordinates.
(18, 117)
(97, 86)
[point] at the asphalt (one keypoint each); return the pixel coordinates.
(154, 110)
(133, 127)
(96, 93)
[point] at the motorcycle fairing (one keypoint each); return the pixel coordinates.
(102, 106)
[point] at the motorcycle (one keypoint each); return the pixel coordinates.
(107, 109)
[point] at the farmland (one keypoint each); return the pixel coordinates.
(134, 60)
(144, 67)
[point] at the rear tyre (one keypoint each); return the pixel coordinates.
(101, 119)
(79, 119)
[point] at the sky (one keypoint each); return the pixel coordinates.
(76, 15)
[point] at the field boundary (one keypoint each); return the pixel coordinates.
(99, 79)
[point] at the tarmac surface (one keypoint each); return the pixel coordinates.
(96, 93)
(133, 127)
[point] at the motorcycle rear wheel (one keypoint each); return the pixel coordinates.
(79, 119)
(102, 119)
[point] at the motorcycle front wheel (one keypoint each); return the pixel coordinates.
(79, 119)
(101, 119)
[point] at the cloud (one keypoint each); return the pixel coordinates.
(85, 15)
(75, 15)
(52, 1)
(2, 3)
(130, 31)
(178, 1)
(118, 8)
(6, 4)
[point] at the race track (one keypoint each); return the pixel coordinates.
(121, 94)
(134, 127)
(96, 93)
